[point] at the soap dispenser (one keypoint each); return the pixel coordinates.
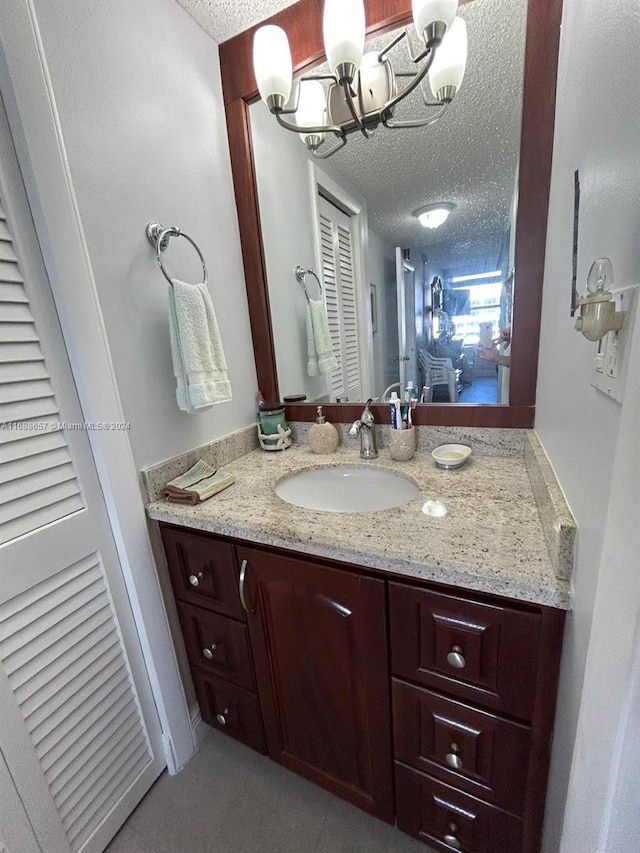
(323, 436)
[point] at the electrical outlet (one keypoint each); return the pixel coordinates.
(609, 370)
(598, 361)
(612, 363)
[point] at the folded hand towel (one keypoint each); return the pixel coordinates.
(197, 484)
(199, 364)
(320, 353)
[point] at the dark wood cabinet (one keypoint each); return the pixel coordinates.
(370, 686)
(230, 708)
(479, 753)
(446, 819)
(319, 637)
(474, 687)
(484, 652)
(205, 579)
(217, 644)
(203, 571)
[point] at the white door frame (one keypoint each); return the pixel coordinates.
(35, 126)
(356, 207)
(403, 266)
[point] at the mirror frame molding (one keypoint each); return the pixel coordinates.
(303, 25)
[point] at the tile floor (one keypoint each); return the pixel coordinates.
(229, 799)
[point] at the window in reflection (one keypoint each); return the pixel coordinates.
(482, 304)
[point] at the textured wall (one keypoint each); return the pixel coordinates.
(286, 213)
(598, 132)
(382, 273)
(137, 86)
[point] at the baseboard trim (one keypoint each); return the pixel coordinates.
(198, 727)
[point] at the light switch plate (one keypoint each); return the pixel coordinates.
(609, 371)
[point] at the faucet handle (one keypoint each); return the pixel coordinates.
(366, 417)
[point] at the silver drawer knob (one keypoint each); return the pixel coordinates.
(455, 658)
(209, 650)
(221, 719)
(452, 758)
(194, 580)
(450, 837)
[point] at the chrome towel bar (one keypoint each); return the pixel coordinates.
(301, 275)
(159, 237)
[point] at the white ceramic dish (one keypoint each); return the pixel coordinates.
(451, 455)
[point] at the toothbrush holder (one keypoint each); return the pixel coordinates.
(402, 444)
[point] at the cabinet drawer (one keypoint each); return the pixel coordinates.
(447, 819)
(217, 644)
(229, 708)
(203, 571)
(486, 653)
(477, 752)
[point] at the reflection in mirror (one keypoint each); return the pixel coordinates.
(403, 302)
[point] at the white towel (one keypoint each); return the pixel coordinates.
(199, 364)
(319, 350)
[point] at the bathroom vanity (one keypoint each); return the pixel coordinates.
(402, 662)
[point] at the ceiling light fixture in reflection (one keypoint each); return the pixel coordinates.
(434, 215)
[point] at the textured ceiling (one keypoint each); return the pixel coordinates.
(223, 19)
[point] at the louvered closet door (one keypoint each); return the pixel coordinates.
(15, 829)
(340, 286)
(79, 733)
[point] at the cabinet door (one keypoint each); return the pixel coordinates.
(319, 638)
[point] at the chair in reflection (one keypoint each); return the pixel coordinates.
(439, 371)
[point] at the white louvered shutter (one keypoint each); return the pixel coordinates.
(37, 481)
(16, 835)
(79, 733)
(340, 285)
(330, 282)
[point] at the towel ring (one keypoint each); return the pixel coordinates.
(301, 275)
(159, 237)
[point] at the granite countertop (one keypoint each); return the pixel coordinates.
(491, 538)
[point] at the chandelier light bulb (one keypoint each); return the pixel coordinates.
(311, 108)
(344, 31)
(428, 12)
(366, 88)
(272, 63)
(447, 72)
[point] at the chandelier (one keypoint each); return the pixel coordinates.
(363, 90)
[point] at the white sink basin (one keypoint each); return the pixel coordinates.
(347, 488)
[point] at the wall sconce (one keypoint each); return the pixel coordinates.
(597, 310)
(363, 89)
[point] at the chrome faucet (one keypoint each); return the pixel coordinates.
(365, 427)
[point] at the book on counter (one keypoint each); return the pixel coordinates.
(197, 484)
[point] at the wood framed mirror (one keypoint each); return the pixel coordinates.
(303, 25)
